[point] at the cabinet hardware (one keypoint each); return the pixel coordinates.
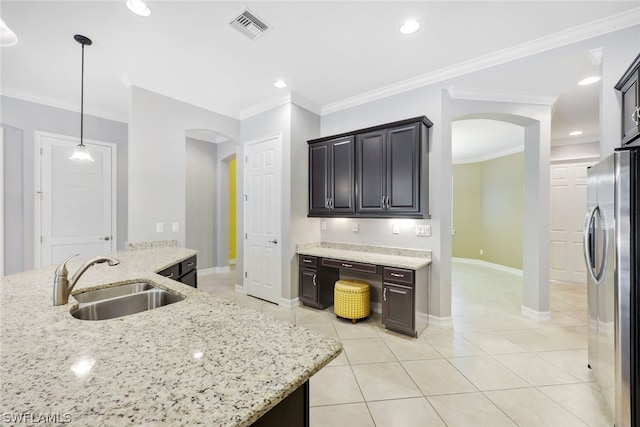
(190, 264)
(347, 265)
(397, 291)
(397, 275)
(308, 261)
(314, 280)
(635, 116)
(170, 275)
(384, 295)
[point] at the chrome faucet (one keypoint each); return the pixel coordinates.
(62, 287)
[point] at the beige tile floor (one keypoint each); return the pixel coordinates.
(493, 368)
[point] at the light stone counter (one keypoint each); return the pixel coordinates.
(203, 360)
(412, 259)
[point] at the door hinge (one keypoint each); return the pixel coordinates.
(245, 274)
(246, 159)
(41, 239)
(41, 151)
(246, 197)
(245, 236)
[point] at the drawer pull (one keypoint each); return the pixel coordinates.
(170, 275)
(308, 261)
(315, 276)
(397, 291)
(347, 265)
(397, 275)
(190, 264)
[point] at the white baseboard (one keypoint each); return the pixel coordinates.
(213, 270)
(205, 271)
(240, 289)
(439, 322)
(290, 303)
(532, 314)
(489, 265)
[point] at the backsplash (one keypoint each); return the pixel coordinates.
(154, 244)
(376, 232)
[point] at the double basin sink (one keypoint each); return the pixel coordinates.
(122, 300)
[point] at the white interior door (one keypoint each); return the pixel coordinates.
(263, 271)
(77, 200)
(568, 210)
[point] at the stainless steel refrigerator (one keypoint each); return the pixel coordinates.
(610, 245)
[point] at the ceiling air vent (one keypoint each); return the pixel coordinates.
(249, 25)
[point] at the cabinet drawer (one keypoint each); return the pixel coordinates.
(187, 265)
(307, 261)
(171, 272)
(399, 275)
(349, 265)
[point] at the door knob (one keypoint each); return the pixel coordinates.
(274, 241)
(105, 238)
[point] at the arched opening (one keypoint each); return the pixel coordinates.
(208, 194)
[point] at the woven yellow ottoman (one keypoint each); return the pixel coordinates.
(351, 299)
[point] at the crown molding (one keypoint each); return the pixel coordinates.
(596, 28)
(54, 103)
(290, 98)
(499, 95)
(573, 140)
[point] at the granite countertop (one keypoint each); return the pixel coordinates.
(203, 360)
(412, 259)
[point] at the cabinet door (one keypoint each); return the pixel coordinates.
(630, 103)
(403, 169)
(370, 169)
(190, 279)
(342, 176)
(308, 286)
(398, 307)
(319, 178)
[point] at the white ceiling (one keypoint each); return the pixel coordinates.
(333, 54)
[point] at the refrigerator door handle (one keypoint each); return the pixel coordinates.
(588, 256)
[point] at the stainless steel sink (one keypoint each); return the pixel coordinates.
(112, 292)
(126, 305)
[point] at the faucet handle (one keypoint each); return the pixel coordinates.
(62, 268)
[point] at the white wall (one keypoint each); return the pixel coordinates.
(22, 119)
(200, 227)
(157, 126)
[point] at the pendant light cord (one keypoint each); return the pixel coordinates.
(82, 100)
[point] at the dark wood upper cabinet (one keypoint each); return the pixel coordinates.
(331, 177)
(390, 167)
(629, 87)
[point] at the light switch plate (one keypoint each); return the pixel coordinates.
(395, 228)
(354, 227)
(323, 225)
(175, 226)
(159, 227)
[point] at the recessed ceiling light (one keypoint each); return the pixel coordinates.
(280, 84)
(575, 133)
(589, 80)
(409, 27)
(138, 7)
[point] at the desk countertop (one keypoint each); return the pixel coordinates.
(412, 259)
(203, 360)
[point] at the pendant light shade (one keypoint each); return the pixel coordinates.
(80, 153)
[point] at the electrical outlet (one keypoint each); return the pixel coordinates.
(159, 227)
(354, 227)
(481, 252)
(323, 225)
(175, 226)
(395, 228)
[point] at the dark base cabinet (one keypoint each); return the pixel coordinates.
(398, 311)
(183, 272)
(316, 290)
(292, 411)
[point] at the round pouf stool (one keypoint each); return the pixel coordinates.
(351, 299)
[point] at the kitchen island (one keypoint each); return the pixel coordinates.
(203, 360)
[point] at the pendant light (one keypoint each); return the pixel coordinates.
(80, 153)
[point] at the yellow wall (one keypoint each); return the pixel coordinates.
(488, 210)
(232, 209)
